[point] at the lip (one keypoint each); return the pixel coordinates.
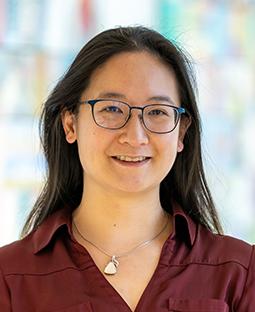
(130, 163)
(131, 156)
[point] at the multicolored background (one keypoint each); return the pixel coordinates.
(40, 38)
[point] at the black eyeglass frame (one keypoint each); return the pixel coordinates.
(179, 111)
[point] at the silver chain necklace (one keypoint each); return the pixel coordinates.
(112, 265)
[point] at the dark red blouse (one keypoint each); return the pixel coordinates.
(197, 271)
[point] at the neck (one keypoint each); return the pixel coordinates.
(123, 219)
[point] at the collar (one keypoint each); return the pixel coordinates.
(44, 234)
(183, 227)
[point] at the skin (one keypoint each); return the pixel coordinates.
(120, 206)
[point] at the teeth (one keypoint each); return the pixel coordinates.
(134, 159)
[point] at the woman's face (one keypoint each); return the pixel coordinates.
(136, 78)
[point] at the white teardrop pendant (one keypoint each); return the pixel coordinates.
(111, 267)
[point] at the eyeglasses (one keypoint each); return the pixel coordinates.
(114, 114)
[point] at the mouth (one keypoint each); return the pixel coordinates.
(131, 161)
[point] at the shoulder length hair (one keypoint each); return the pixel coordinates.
(185, 183)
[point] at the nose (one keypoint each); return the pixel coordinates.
(134, 133)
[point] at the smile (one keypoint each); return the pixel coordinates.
(133, 159)
(128, 161)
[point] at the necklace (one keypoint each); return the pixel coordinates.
(112, 265)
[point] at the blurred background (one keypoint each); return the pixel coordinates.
(40, 38)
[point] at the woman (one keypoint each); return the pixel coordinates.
(125, 221)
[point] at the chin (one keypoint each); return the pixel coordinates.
(136, 188)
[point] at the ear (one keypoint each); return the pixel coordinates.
(69, 125)
(184, 125)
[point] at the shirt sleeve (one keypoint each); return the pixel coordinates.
(5, 298)
(247, 302)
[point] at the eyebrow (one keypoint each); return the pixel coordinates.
(115, 95)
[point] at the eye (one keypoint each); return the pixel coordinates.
(158, 112)
(112, 109)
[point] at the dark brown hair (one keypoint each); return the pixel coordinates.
(185, 183)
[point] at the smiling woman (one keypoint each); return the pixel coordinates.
(125, 221)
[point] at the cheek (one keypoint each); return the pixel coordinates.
(87, 145)
(92, 145)
(170, 141)
(169, 150)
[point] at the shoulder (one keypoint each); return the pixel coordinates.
(31, 254)
(220, 249)
(208, 248)
(15, 254)
(43, 250)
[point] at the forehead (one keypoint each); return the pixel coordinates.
(136, 75)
